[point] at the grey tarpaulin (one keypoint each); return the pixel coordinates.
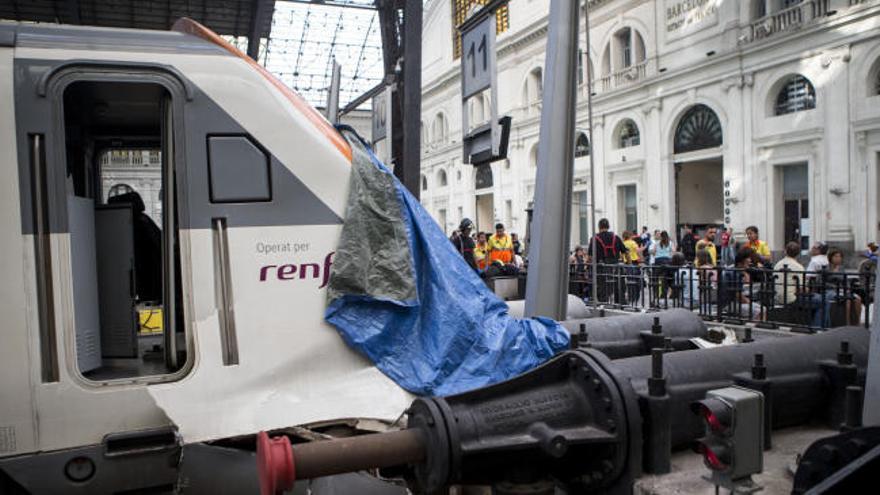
(402, 295)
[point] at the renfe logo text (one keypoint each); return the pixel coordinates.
(301, 271)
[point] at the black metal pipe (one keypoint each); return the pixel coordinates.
(345, 455)
(635, 335)
(853, 408)
(802, 371)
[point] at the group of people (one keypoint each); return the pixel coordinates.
(717, 270)
(710, 270)
(490, 255)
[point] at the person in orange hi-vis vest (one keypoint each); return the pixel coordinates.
(500, 246)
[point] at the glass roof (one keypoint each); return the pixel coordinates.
(307, 37)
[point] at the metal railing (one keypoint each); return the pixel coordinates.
(784, 20)
(800, 299)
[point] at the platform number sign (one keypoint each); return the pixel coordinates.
(482, 142)
(477, 62)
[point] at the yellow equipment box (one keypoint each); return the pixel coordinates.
(150, 320)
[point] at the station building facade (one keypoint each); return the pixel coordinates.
(752, 112)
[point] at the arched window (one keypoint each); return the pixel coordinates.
(533, 86)
(625, 49)
(581, 72)
(478, 110)
(441, 178)
(533, 155)
(484, 177)
(627, 134)
(795, 95)
(119, 190)
(487, 107)
(581, 145)
(759, 9)
(877, 80)
(438, 128)
(698, 129)
(874, 79)
(424, 183)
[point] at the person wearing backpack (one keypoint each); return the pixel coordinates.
(607, 247)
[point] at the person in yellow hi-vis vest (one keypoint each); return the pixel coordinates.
(481, 252)
(500, 246)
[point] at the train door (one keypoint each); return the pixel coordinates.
(103, 245)
(119, 184)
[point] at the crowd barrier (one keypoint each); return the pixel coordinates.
(769, 298)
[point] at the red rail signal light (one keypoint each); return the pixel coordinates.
(715, 455)
(716, 413)
(732, 447)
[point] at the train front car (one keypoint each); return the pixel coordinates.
(162, 177)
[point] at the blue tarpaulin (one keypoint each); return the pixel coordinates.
(401, 294)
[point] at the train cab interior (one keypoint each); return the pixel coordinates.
(122, 219)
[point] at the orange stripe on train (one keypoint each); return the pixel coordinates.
(189, 26)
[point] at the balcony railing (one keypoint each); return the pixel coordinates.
(623, 77)
(785, 20)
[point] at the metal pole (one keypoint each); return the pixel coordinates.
(594, 286)
(871, 407)
(409, 166)
(551, 221)
(333, 94)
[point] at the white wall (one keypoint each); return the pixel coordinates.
(840, 139)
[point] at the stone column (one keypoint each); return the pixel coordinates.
(735, 150)
(598, 175)
(742, 172)
(832, 98)
(863, 202)
(653, 169)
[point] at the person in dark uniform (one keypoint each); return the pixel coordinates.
(464, 243)
(687, 244)
(607, 247)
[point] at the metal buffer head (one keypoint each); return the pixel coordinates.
(275, 466)
(568, 421)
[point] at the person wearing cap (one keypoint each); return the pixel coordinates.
(464, 243)
(500, 246)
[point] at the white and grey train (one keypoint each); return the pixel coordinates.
(252, 198)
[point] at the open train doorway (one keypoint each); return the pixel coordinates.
(121, 212)
(699, 169)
